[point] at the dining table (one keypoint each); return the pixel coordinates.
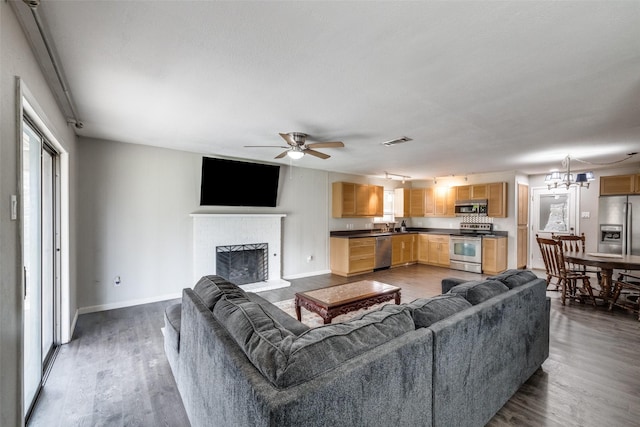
(606, 263)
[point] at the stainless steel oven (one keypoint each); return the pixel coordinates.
(465, 253)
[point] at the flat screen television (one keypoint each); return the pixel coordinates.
(235, 183)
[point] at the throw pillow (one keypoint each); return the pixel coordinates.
(426, 311)
(478, 291)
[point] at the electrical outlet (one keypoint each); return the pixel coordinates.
(117, 281)
(310, 258)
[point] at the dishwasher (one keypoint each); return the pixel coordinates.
(383, 252)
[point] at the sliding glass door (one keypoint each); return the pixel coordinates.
(39, 213)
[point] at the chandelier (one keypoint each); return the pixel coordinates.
(559, 179)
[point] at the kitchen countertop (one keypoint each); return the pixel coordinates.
(411, 230)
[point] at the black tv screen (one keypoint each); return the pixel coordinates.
(235, 183)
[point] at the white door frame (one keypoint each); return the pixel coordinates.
(572, 224)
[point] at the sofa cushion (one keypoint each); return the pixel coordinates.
(514, 278)
(211, 288)
(286, 359)
(172, 316)
(286, 321)
(478, 291)
(256, 332)
(426, 311)
(449, 282)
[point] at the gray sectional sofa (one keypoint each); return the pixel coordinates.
(451, 360)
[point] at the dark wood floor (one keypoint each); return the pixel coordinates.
(114, 372)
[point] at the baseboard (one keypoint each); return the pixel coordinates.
(122, 304)
(301, 275)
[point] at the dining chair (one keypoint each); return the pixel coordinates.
(630, 300)
(575, 243)
(556, 269)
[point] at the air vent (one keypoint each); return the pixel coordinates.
(397, 141)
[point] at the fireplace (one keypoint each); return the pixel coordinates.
(242, 264)
(211, 230)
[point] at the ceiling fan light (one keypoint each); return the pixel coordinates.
(295, 155)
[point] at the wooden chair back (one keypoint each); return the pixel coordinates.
(572, 243)
(553, 258)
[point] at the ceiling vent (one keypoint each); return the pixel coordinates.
(397, 141)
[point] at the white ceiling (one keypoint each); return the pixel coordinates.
(479, 86)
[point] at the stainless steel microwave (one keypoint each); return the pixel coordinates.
(471, 207)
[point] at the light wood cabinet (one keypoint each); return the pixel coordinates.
(423, 248)
(619, 185)
(522, 236)
(494, 255)
(376, 200)
(440, 201)
(497, 200)
(523, 246)
(470, 192)
(436, 247)
(351, 200)
(401, 202)
(416, 203)
(352, 256)
(403, 249)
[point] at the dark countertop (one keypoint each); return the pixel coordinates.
(351, 234)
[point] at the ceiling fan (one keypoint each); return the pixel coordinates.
(298, 146)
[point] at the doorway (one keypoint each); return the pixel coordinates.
(41, 263)
(552, 211)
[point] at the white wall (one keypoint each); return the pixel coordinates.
(134, 222)
(17, 60)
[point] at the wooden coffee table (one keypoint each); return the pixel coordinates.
(335, 300)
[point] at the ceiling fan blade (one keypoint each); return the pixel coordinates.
(316, 153)
(332, 144)
(289, 139)
(272, 146)
(281, 155)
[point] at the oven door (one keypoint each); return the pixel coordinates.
(466, 249)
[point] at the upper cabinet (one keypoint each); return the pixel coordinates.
(356, 200)
(440, 201)
(416, 202)
(497, 200)
(619, 185)
(470, 192)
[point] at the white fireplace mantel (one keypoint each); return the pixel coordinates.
(213, 229)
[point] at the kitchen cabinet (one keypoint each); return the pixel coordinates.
(352, 256)
(494, 255)
(351, 200)
(470, 192)
(376, 200)
(401, 202)
(433, 249)
(403, 249)
(439, 201)
(416, 202)
(619, 185)
(497, 200)
(522, 236)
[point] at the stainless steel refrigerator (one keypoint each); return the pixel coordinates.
(619, 225)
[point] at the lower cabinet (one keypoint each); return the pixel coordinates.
(494, 255)
(433, 249)
(352, 256)
(403, 249)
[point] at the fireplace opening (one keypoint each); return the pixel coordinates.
(242, 264)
